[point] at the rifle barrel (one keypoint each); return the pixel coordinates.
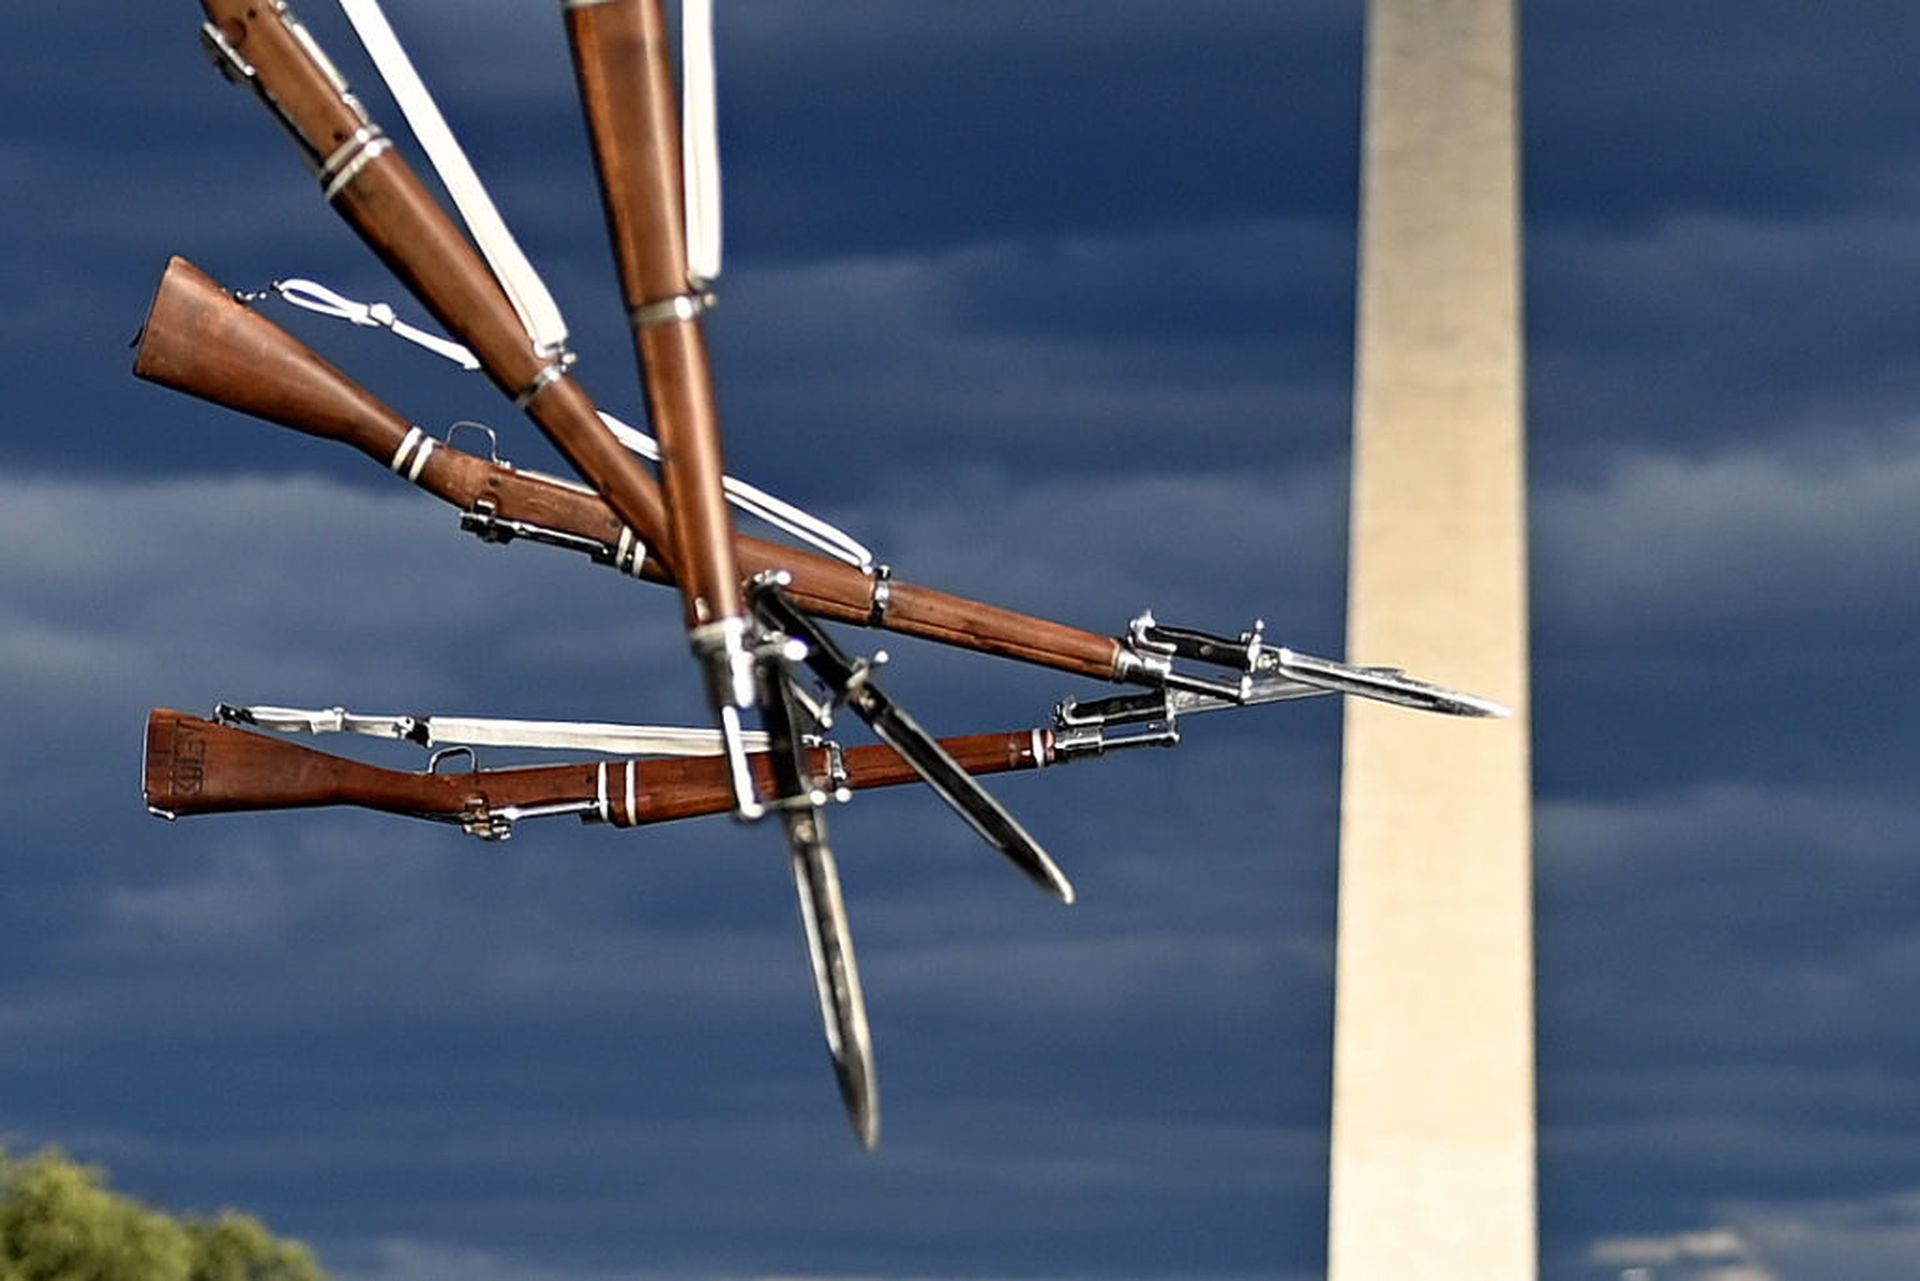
(621, 61)
(200, 340)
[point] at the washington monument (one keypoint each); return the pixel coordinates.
(1433, 1111)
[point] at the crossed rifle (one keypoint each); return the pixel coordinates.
(754, 609)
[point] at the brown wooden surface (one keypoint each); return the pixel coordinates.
(196, 766)
(623, 63)
(955, 620)
(199, 340)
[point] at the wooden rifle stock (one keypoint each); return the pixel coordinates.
(196, 766)
(200, 340)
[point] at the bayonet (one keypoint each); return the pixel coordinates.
(850, 683)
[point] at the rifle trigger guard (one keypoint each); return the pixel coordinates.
(445, 753)
(493, 437)
(549, 375)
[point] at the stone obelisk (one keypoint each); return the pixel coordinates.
(1433, 1100)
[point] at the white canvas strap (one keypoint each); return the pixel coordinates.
(700, 142)
(314, 296)
(782, 515)
(523, 286)
(755, 501)
(491, 731)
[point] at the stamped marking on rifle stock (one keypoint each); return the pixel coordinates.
(187, 760)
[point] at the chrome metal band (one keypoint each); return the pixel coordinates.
(668, 310)
(548, 375)
(420, 446)
(407, 443)
(882, 595)
(605, 810)
(1039, 748)
(631, 554)
(1150, 670)
(633, 794)
(225, 57)
(339, 170)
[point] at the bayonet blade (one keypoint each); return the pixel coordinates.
(853, 683)
(823, 912)
(1385, 684)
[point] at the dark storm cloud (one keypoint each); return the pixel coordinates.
(1703, 333)
(1637, 112)
(1750, 538)
(1717, 967)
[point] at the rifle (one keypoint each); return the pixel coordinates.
(201, 339)
(221, 765)
(199, 766)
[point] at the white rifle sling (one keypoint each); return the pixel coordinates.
(482, 731)
(538, 312)
(588, 736)
(313, 296)
(821, 535)
(700, 142)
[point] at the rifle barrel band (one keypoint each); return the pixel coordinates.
(339, 170)
(630, 554)
(882, 596)
(671, 310)
(547, 377)
(417, 444)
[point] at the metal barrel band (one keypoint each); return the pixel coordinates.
(672, 310)
(882, 595)
(548, 375)
(411, 458)
(630, 556)
(339, 170)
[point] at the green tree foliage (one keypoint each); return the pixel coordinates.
(59, 1222)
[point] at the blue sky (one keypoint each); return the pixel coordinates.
(1052, 304)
